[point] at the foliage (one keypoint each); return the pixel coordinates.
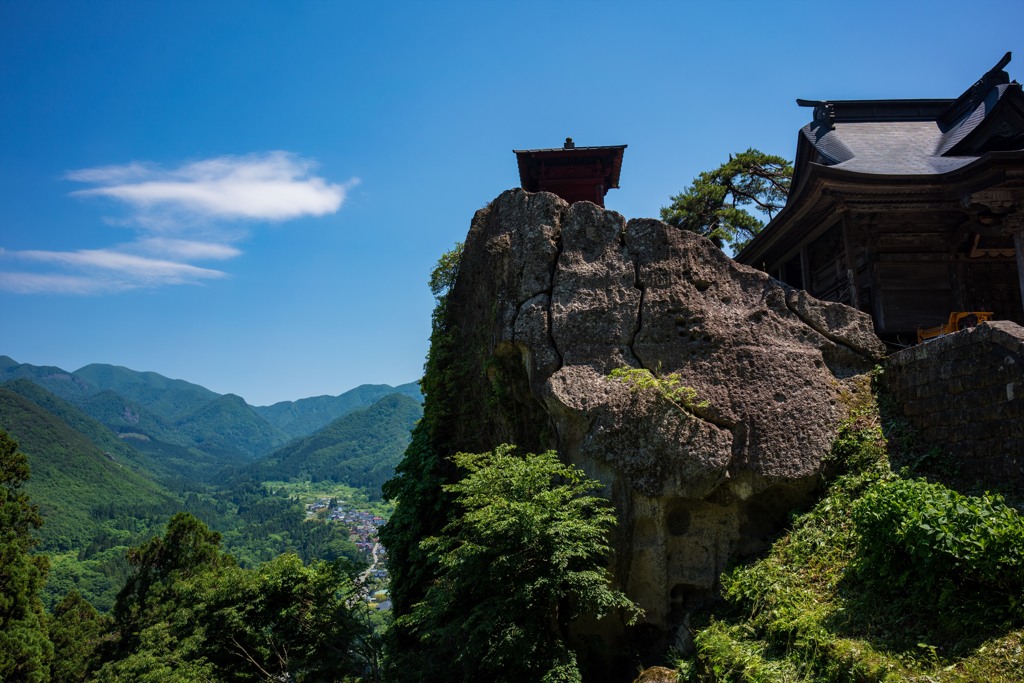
(522, 561)
(417, 487)
(712, 205)
(76, 630)
(25, 649)
(941, 545)
(669, 387)
(188, 548)
(190, 613)
(442, 277)
(804, 613)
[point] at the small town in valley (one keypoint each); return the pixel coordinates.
(363, 526)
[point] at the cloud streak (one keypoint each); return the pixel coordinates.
(181, 215)
(98, 271)
(271, 187)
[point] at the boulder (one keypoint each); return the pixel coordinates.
(552, 297)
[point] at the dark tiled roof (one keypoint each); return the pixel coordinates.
(911, 137)
(889, 147)
(897, 143)
(965, 125)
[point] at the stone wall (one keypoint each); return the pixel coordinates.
(965, 394)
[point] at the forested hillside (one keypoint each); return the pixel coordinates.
(79, 487)
(110, 470)
(307, 415)
(361, 448)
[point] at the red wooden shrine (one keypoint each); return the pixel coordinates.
(576, 174)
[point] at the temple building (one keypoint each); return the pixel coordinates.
(576, 174)
(907, 209)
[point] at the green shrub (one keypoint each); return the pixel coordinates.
(939, 545)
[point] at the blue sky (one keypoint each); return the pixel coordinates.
(251, 195)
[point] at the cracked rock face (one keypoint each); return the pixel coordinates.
(558, 296)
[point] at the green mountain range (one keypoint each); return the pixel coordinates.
(307, 415)
(191, 430)
(360, 448)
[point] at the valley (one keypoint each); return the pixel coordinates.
(114, 453)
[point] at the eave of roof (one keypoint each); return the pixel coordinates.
(817, 177)
(570, 149)
(612, 152)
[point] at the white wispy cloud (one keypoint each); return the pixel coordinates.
(185, 249)
(274, 186)
(48, 283)
(98, 271)
(136, 267)
(196, 211)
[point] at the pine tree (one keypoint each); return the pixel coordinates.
(713, 205)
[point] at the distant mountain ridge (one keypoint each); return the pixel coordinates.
(307, 415)
(360, 448)
(174, 399)
(159, 413)
(114, 453)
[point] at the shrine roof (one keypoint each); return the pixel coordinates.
(570, 155)
(895, 143)
(570, 149)
(916, 137)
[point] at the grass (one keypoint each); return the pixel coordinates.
(811, 609)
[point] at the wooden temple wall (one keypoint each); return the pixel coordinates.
(906, 270)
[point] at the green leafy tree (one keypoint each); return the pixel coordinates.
(281, 621)
(715, 205)
(442, 277)
(186, 549)
(25, 648)
(76, 630)
(524, 559)
(188, 613)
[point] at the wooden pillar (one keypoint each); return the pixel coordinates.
(851, 265)
(805, 270)
(1018, 246)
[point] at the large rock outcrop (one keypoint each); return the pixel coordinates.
(551, 298)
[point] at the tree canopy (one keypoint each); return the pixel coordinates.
(188, 613)
(715, 204)
(25, 648)
(523, 559)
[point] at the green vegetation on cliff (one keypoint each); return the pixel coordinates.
(492, 556)
(521, 561)
(888, 578)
